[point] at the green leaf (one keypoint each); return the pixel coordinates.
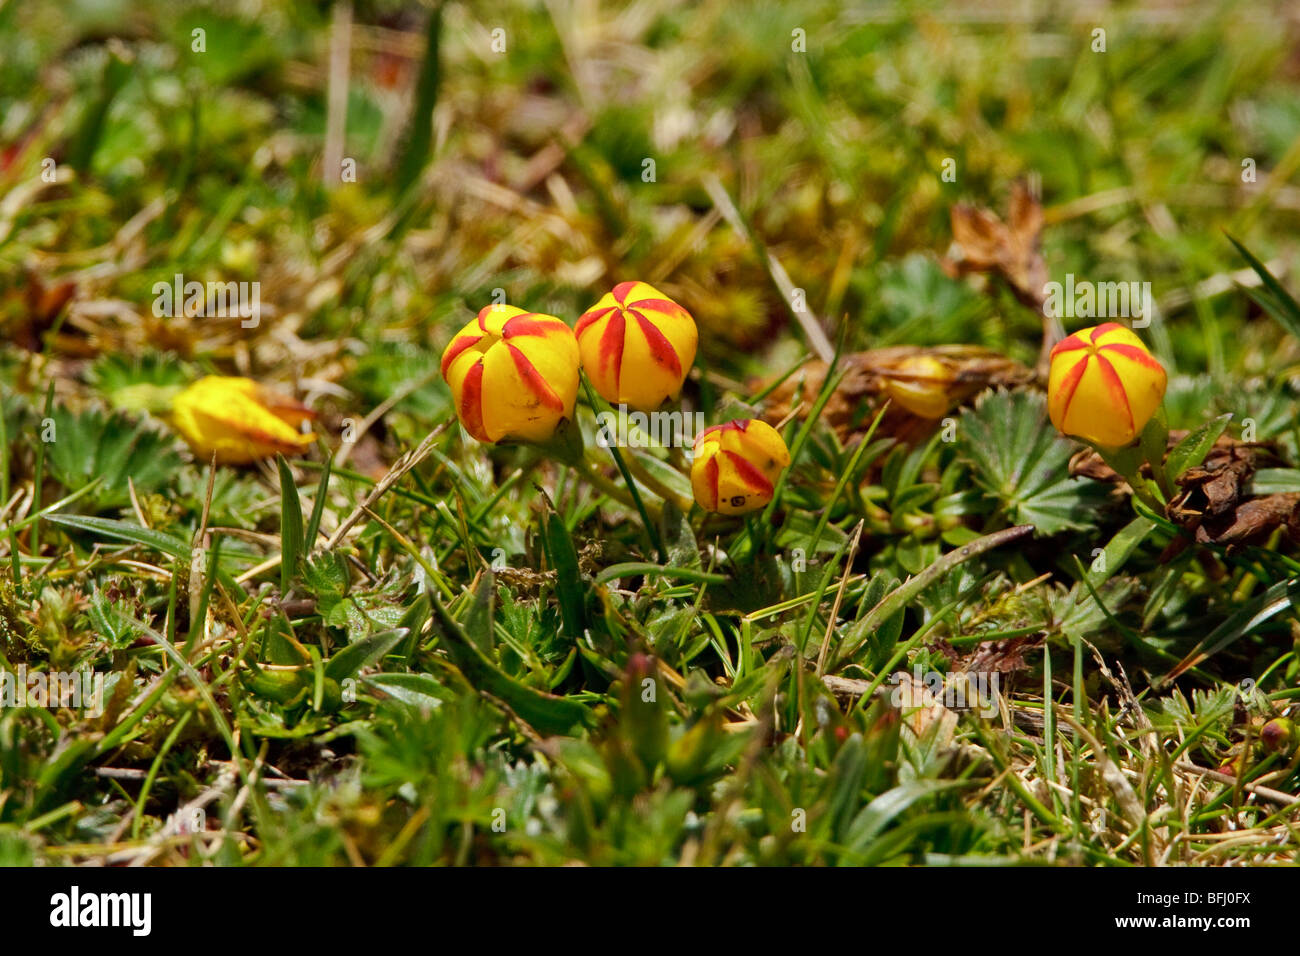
(883, 638)
(347, 616)
(844, 783)
(1281, 597)
(59, 772)
(326, 578)
(649, 569)
(85, 140)
(1272, 298)
(123, 531)
(1021, 461)
(664, 473)
(418, 140)
(1191, 451)
(1118, 549)
(569, 588)
(884, 809)
(678, 537)
(112, 448)
(1275, 481)
(109, 627)
(478, 617)
(418, 690)
(291, 530)
(801, 529)
(363, 653)
(547, 712)
(1165, 588)
(318, 506)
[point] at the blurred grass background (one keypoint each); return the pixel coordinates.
(211, 164)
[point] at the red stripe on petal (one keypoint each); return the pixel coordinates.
(711, 478)
(591, 318)
(660, 347)
(1141, 356)
(611, 346)
(1105, 327)
(458, 346)
(748, 473)
(621, 290)
(732, 425)
(1069, 344)
(736, 424)
(528, 372)
(666, 306)
(531, 324)
(471, 402)
(1115, 385)
(1070, 383)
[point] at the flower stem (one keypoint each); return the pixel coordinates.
(1155, 441)
(651, 527)
(1127, 462)
(654, 484)
(588, 473)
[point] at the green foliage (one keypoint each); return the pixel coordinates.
(503, 663)
(1020, 462)
(922, 306)
(1191, 451)
(135, 383)
(108, 449)
(1271, 295)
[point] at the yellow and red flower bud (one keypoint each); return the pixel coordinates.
(736, 466)
(637, 346)
(1104, 386)
(920, 383)
(513, 374)
(239, 420)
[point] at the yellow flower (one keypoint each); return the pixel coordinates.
(239, 420)
(736, 466)
(919, 383)
(1104, 386)
(637, 346)
(513, 374)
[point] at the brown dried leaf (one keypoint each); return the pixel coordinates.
(1251, 522)
(1005, 657)
(32, 315)
(985, 244)
(1214, 504)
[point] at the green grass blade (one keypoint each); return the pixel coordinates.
(291, 527)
